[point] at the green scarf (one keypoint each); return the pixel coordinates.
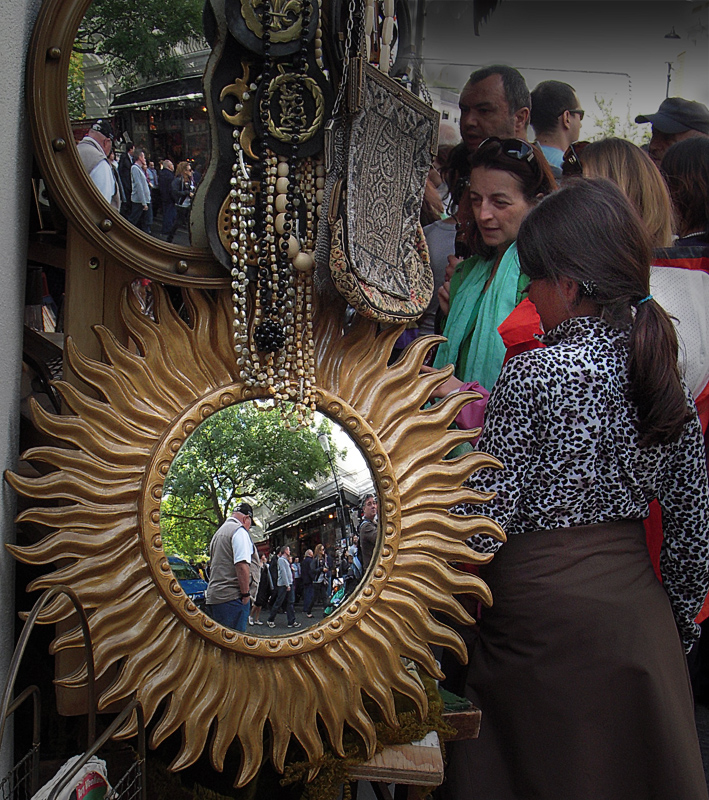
(474, 345)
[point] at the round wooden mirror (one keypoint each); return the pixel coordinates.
(71, 188)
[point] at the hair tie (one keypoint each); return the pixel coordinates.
(644, 300)
(589, 288)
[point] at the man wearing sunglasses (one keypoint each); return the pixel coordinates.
(556, 119)
(231, 551)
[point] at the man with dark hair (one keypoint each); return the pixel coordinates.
(94, 150)
(556, 119)
(368, 529)
(231, 551)
(676, 119)
(494, 102)
(165, 179)
(125, 162)
(286, 593)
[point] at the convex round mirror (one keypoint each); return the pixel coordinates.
(58, 74)
(312, 491)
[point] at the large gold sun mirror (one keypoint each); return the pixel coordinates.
(306, 485)
(104, 504)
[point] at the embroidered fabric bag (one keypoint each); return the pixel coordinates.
(378, 255)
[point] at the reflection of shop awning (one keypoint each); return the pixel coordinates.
(299, 519)
(174, 91)
(309, 509)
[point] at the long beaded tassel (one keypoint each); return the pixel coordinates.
(274, 208)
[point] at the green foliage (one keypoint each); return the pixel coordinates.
(75, 86)
(611, 125)
(136, 38)
(242, 452)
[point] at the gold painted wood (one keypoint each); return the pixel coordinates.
(105, 543)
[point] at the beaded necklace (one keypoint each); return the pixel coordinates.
(274, 207)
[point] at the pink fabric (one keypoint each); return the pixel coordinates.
(472, 415)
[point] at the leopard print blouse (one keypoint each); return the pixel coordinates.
(559, 420)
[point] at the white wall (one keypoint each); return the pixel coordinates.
(18, 18)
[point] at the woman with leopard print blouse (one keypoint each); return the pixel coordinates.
(579, 667)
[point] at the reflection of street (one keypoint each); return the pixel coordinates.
(281, 627)
(181, 237)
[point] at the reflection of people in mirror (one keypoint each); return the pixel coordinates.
(265, 587)
(307, 577)
(141, 214)
(319, 573)
(125, 162)
(351, 573)
(230, 551)
(368, 530)
(353, 549)
(297, 579)
(285, 596)
(94, 150)
(165, 178)
(182, 194)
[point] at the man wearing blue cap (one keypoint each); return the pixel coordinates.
(230, 552)
(676, 119)
(93, 152)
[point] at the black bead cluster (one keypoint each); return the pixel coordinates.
(273, 290)
(269, 336)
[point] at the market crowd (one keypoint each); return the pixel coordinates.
(573, 293)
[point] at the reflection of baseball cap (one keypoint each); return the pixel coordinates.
(677, 115)
(246, 509)
(103, 127)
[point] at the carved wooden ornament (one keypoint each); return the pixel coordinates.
(110, 466)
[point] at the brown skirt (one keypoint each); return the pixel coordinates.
(580, 675)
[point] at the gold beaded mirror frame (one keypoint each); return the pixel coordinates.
(109, 466)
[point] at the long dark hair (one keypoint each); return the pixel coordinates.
(534, 178)
(686, 169)
(589, 232)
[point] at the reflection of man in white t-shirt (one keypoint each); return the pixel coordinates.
(230, 552)
(93, 150)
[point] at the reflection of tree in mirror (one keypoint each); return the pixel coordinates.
(75, 87)
(138, 40)
(242, 452)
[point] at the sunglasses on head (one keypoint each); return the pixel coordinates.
(513, 148)
(571, 163)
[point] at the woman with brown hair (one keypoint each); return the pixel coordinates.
(579, 666)
(508, 177)
(183, 189)
(685, 166)
(683, 293)
(633, 171)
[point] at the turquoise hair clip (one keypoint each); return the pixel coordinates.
(644, 300)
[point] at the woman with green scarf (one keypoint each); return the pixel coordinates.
(508, 177)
